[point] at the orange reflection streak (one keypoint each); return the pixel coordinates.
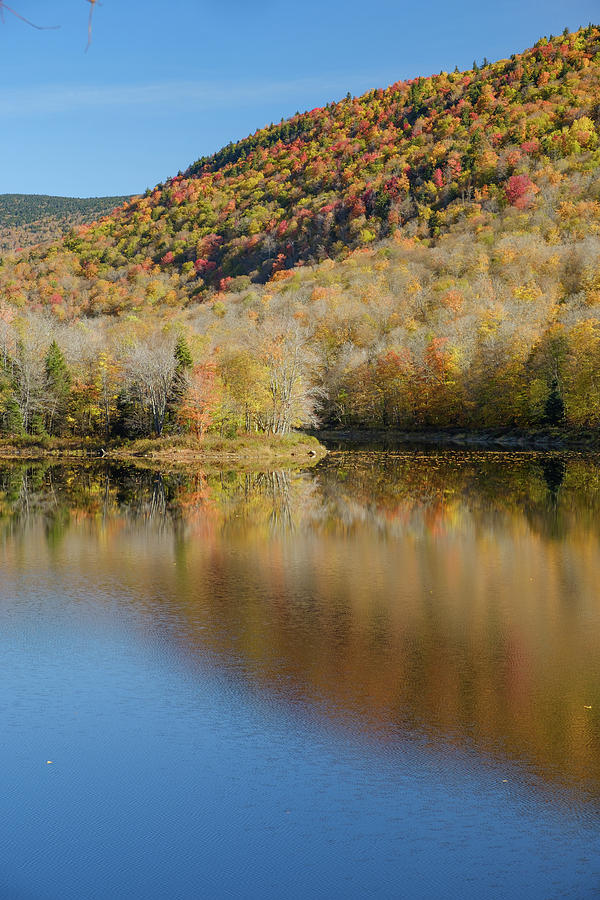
(451, 594)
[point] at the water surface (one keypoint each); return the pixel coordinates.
(376, 678)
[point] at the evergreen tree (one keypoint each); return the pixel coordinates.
(183, 356)
(10, 414)
(554, 411)
(58, 390)
(184, 364)
(122, 425)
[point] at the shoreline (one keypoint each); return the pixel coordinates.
(296, 449)
(498, 439)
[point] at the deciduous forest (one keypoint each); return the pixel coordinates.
(28, 219)
(426, 255)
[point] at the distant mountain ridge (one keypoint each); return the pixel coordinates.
(29, 219)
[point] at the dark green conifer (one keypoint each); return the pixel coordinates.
(58, 390)
(554, 411)
(183, 355)
(10, 414)
(183, 364)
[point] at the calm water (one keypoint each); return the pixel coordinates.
(380, 678)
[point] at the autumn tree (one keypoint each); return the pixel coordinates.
(293, 391)
(247, 384)
(150, 369)
(200, 398)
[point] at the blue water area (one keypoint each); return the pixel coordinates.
(176, 780)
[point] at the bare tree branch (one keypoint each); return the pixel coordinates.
(92, 6)
(8, 9)
(4, 8)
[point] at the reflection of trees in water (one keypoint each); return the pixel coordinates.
(445, 631)
(277, 486)
(32, 493)
(58, 494)
(553, 469)
(394, 492)
(144, 499)
(418, 492)
(391, 491)
(54, 492)
(548, 516)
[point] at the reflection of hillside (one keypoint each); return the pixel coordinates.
(454, 594)
(432, 490)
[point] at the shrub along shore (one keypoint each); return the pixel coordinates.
(290, 449)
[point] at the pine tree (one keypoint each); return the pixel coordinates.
(58, 390)
(10, 414)
(184, 364)
(554, 411)
(183, 356)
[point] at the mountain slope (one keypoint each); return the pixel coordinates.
(426, 255)
(414, 156)
(28, 219)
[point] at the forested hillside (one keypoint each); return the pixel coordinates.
(425, 255)
(28, 219)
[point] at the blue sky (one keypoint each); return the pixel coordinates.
(166, 81)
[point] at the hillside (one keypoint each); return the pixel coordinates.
(425, 255)
(28, 219)
(419, 156)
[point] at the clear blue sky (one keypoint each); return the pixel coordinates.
(166, 81)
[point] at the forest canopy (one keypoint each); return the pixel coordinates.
(425, 255)
(28, 219)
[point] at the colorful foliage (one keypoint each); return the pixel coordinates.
(348, 174)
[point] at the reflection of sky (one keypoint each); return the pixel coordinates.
(343, 683)
(164, 783)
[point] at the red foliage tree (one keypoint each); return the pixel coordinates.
(520, 191)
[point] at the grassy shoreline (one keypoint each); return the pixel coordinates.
(296, 449)
(291, 449)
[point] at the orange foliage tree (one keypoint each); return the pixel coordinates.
(200, 399)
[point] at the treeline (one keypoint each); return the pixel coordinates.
(77, 382)
(494, 327)
(498, 325)
(479, 308)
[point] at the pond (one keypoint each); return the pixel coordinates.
(379, 677)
